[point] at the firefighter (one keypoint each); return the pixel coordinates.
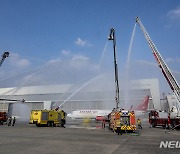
(103, 123)
(9, 121)
(63, 120)
(139, 124)
(118, 126)
(14, 121)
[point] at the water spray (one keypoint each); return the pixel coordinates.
(84, 85)
(127, 66)
(103, 53)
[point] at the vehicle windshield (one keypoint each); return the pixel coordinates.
(125, 120)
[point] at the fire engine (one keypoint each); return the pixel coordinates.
(3, 117)
(126, 118)
(161, 118)
(171, 117)
(48, 117)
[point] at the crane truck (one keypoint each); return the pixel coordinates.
(119, 119)
(172, 117)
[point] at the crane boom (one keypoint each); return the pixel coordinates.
(163, 66)
(113, 38)
(4, 56)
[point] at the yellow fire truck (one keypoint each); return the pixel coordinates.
(48, 118)
(126, 119)
(119, 119)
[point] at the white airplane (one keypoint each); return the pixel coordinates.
(99, 115)
(91, 114)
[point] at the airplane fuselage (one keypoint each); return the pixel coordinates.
(91, 114)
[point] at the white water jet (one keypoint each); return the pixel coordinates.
(84, 85)
(102, 56)
(126, 97)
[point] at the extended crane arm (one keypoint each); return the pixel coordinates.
(164, 68)
(113, 38)
(13, 100)
(4, 56)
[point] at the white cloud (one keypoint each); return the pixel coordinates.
(54, 61)
(147, 63)
(176, 72)
(73, 68)
(82, 43)
(65, 52)
(80, 58)
(17, 61)
(178, 60)
(79, 61)
(169, 60)
(174, 14)
(172, 60)
(74, 61)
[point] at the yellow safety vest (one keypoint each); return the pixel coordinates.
(118, 123)
(139, 122)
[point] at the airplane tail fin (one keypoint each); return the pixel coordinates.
(144, 104)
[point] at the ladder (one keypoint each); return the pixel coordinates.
(163, 66)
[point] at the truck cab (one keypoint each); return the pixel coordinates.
(126, 118)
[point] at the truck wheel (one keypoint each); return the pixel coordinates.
(153, 124)
(173, 124)
(164, 126)
(54, 125)
(167, 126)
(49, 124)
(38, 125)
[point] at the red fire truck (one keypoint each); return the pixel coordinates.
(126, 118)
(164, 119)
(3, 117)
(172, 116)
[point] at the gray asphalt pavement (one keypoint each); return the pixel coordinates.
(79, 138)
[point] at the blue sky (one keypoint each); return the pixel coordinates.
(40, 31)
